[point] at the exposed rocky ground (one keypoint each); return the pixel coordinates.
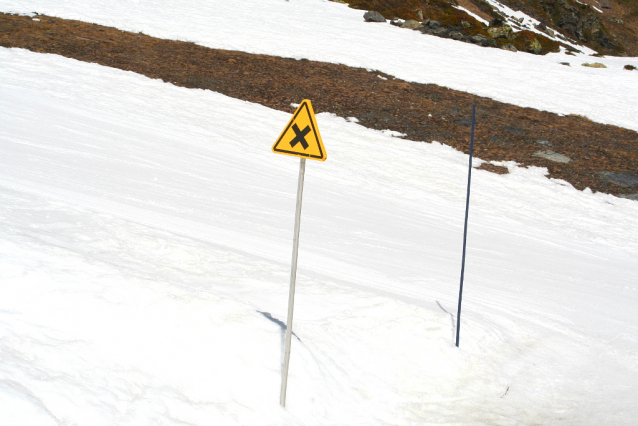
(586, 154)
(442, 19)
(610, 27)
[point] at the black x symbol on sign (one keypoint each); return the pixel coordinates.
(300, 136)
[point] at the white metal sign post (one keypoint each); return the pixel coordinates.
(293, 279)
(300, 138)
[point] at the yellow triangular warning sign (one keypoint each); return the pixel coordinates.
(301, 136)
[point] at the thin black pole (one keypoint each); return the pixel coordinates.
(467, 209)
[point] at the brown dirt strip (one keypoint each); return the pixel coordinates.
(504, 132)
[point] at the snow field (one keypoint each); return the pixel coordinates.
(146, 227)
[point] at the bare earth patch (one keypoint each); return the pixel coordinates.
(493, 168)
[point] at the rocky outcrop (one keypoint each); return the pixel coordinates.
(496, 35)
(542, 27)
(594, 65)
(559, 21)
(432, 24)
(411, 24)
(573, 19)
(620, 178)
(510, 47)
(372, 16)
(483, 40)
(500, 32)
(534, 47)
(552, 156)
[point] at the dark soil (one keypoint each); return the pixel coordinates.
(424, 112)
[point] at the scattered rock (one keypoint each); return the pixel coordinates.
(620, 178)
(545, 29)
(510, 47)
(565, 63)
(463, 121)
(499, 141)
(552, 156)
(372, 16)
(594, 65)
(500, 32)
(629, 67)
(441, 32)
(483, 40)
(435, 28)
(411, 24)
(459, 33)
(493, 168)
(518, 130)
(432, 24)
(544, 142)
(534, 47)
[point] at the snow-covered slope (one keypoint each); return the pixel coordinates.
(328, 31)
(146, 243)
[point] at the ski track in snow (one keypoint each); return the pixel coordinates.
(331, 32)
(146, 228)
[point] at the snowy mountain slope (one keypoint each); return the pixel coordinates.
(147, 231)
(328, 31)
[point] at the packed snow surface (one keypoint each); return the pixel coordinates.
(145, 255)
(147, 235)
(332, 32)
